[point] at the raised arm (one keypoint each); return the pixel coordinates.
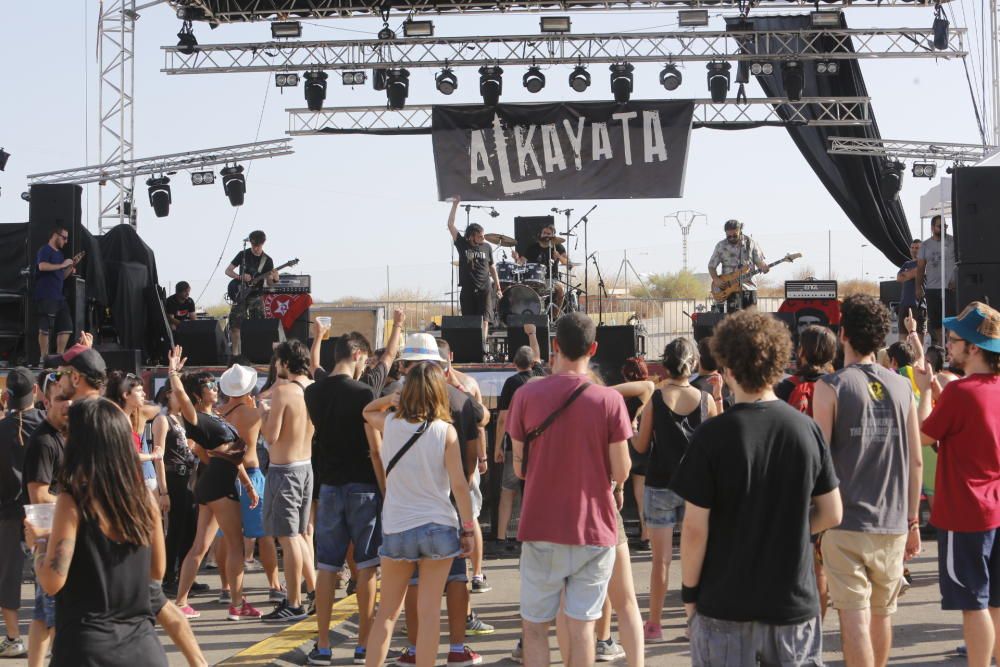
(395, 338)
(531, 331)
(913, 444)
(315, 352)
(175, 362)
(639, 389)
(452, 229)
(376, 411)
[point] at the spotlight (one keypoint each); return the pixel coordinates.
(579, 79)
(286, 80)
(791, 78)
(446, 81)
(891, 179)
(418, 28)
(285, 29)
(621, 81)
(353, 78)
(378, 78)
(670, 77)
(397, 87)
(159, 195)
(26, 196)
(555, 24)
(4, 156)
(534, 80)
(692, 18)
(491, 84)
(940, 29)
(386, 33)
(718, 80)
(186, 42)
(315, 90)
(825, 19)
(924, 170)
(758, 69)
(827, 67)
(202, 178)
(235, 184)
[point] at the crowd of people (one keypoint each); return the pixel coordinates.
(791, 492)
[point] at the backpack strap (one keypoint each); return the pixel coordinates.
(537, 431)
(405, 448)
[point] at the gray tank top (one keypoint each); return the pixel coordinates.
(869, 447)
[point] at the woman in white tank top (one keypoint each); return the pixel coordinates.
(419, 523)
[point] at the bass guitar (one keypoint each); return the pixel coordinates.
(730, 283)
(239, 291)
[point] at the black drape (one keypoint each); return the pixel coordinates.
(14, 257)
(853, 181)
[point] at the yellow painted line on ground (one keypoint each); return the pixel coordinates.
(267, 651)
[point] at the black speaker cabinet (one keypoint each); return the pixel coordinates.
(257, 339)
(704, 324)
(975, 193)
(890, 291)
(124, 360)
(203, 341)
(615, 344)
(978, 282)
(516, 336)
(465, 336)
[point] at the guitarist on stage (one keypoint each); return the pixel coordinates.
(738, 251)
(246, 267)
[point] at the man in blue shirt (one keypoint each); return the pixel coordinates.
(908, 301)
(51, 269)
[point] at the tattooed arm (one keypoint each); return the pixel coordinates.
(53, 569)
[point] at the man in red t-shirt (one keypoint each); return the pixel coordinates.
(568, 526)
(966, 425)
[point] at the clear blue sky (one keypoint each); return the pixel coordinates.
(351, 206)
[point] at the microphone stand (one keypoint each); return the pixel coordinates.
(601, 291)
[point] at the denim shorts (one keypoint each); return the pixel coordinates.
(579, 573)
(45, 607)
(459, 572)
(661, 507)
(432, 541)
(253, 519)
(346, 514)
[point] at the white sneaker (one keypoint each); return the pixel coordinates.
(12, 648)
(609, 651)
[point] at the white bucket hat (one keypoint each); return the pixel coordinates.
(238, 381)
(421, 347)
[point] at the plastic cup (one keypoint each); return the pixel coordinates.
(324, 321)
(40, 515)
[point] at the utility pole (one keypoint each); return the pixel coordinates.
(685, 220)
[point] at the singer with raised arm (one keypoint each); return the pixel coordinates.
(739, 255)
(476, 269)
(246, 267)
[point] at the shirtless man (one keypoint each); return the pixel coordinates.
(290, 478)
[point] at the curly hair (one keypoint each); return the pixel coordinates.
(635, 369)
(865, 323)
(755, 348)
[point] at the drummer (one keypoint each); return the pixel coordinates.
(548, 252)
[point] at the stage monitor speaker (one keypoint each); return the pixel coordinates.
(978, 282)
(890, 291)
(465, 336)
(615, 344)
(704, 324)
(203, 341)
(527, 228)
(370, 322)
(975, 193)
(516, 336)
(120, 359)
(257, 339)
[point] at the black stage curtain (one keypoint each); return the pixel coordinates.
(14, 257)
(92, 267)
(853, 181)
(128, 307)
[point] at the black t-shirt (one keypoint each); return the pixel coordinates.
(254, 265)
(784, 389)
(538, 254)
(14, 435)
(466, 413)
(211, 431)
(373, 376)
(757, 467)
(511, 385)
(42, 458)
(474, 262)
(340, 447)
(182, 309)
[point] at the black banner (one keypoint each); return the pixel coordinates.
(565, 150)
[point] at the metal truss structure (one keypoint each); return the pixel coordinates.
(560, 49)
(916, 150)
(236, 11)
(815, 111)
(167, 164)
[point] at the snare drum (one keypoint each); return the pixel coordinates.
(519, 300)
(509, 273)
(533, 275)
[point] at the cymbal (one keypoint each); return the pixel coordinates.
(557, 239)
(501, 240)
(572, 265)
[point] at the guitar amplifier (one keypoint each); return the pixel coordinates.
(291, 284)
(810, 289)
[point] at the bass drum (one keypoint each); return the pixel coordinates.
(519, 300)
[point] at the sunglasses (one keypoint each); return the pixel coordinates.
(955, 339)
(733, 236)
(209, 384)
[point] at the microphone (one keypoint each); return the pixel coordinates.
(246, 240)
(555, 210)
(494, 213)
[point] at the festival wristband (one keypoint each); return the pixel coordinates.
(689, 594)
(467, 525)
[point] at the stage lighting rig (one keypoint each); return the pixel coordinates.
(285, 29)
(491, 84)
(356, 78)
(579, 79)
(827, 67)
(159, 195)
(534, 80)
(757, 69)
(202, 178)
(940, 29)
(4, 156)
(825, 18)
(924, 170)
(621, 81)
(446, 81)
(413, 28)
(692, 18)
(386, 33)
(315, 90)
(670, 77)
(397, 87)
(891, 179)
(718, 80)
(792, 79)
(186, 41)
(286, 80)
(234, 183)
(555, 24)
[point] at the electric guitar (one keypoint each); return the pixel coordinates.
(730, 283)
(239, 291)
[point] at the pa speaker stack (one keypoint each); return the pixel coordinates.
(975, 201)
(517, 338)
(258, 337)
(464, 334)
(615, 344)
(203, 341)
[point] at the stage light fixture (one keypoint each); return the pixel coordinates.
(446, 81)
(202, 178)
(692, 18)
(891, 179)
(491, 84)
(386, 33)
(792, 79)
(579, 79)
(397, 87)
(924, 170)
(4, 156)
(940, 29)
(718, 80)
(670, 77)
(761, 68)
(315, 90)
(418, 28)
(186, 41)
(285, 29)
(827, 67)
(357, 78)
(621, 81)
(26, 196)
(234, 183)
(286, 80)
(534, 80)
(378, 78)
(159, 195)
(825, 19)
(555, 24)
